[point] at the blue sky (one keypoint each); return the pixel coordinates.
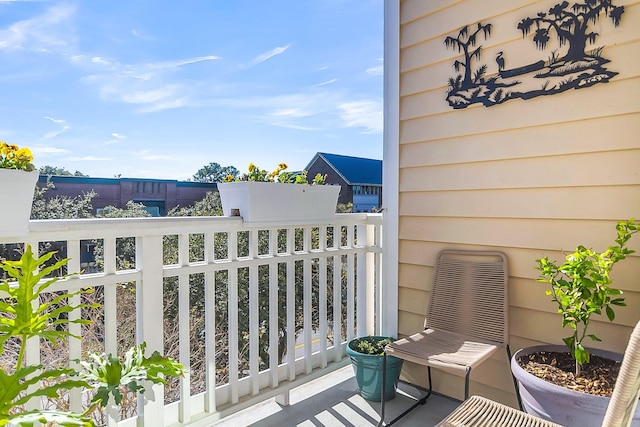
(159, 88)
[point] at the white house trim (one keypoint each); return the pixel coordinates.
(390, 178)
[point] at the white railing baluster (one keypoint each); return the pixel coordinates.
(110, 316)
(273, 309)
(361, 277)
(367, 270)
(110, 298)
(184, 336)
(377, 282)
(233, 318)
(32, 347)
(149, 321)
(210, 326)
(306, 301)
(75, 345)
(291, 309)
(337, 301)
(322, 295)
(254, 332)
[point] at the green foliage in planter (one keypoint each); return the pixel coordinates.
(23, 316)
(581, 287)
(279, 174)
(370, 345)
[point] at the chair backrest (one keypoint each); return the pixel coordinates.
(469, 294)
(627, 389)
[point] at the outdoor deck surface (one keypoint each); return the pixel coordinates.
(333, 400)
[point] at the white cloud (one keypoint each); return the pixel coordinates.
(141, 34)
(268, 55)
(54, 120)
(164, 105)
(149, 96)
(376, 71)
(47, 150)
(44, 33)
(63, 128)
(291, 112)
(181, 62)
(89, 159)
(99, 60)
(147, 155)
(288, 117)
(150, 86)
(328, 82)
(294, 126)
(367, 114)
(115, 139)
(312, 111)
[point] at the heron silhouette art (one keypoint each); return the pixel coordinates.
(500, 61)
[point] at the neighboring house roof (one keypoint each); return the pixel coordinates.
(354, 170)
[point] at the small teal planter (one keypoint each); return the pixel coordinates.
(368, 372)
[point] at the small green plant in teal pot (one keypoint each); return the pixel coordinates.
(366, 358)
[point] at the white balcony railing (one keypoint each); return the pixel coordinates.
(314, 285)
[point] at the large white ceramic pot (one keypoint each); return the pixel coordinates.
(16, 196)
(269, 202)
(559, 404)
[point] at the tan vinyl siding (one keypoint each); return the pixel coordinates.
(529, 177)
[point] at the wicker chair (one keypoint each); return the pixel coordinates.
(479, 411)
(467, 319)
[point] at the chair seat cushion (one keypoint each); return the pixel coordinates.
(442, 349)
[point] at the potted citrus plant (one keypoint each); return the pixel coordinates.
(18, 178)
(572, 384)
(366, 358)
(262, 197)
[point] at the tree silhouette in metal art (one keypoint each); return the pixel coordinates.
(571, 25)
(463, 42)
(568, 66)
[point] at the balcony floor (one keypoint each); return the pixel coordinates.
(333, 400)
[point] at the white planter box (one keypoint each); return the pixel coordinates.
(269, 202)
(16, 194)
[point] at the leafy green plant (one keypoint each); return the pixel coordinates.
(370, 345)
(279, 174)
(109, 375)
(23, 316)
(581, 287)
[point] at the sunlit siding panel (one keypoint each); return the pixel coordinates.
(529, 177)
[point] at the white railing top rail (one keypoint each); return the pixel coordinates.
(70, 229)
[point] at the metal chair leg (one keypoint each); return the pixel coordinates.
(384, 381)
(421, 400)
(467, 374)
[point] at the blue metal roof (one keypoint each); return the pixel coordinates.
(354, 170)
